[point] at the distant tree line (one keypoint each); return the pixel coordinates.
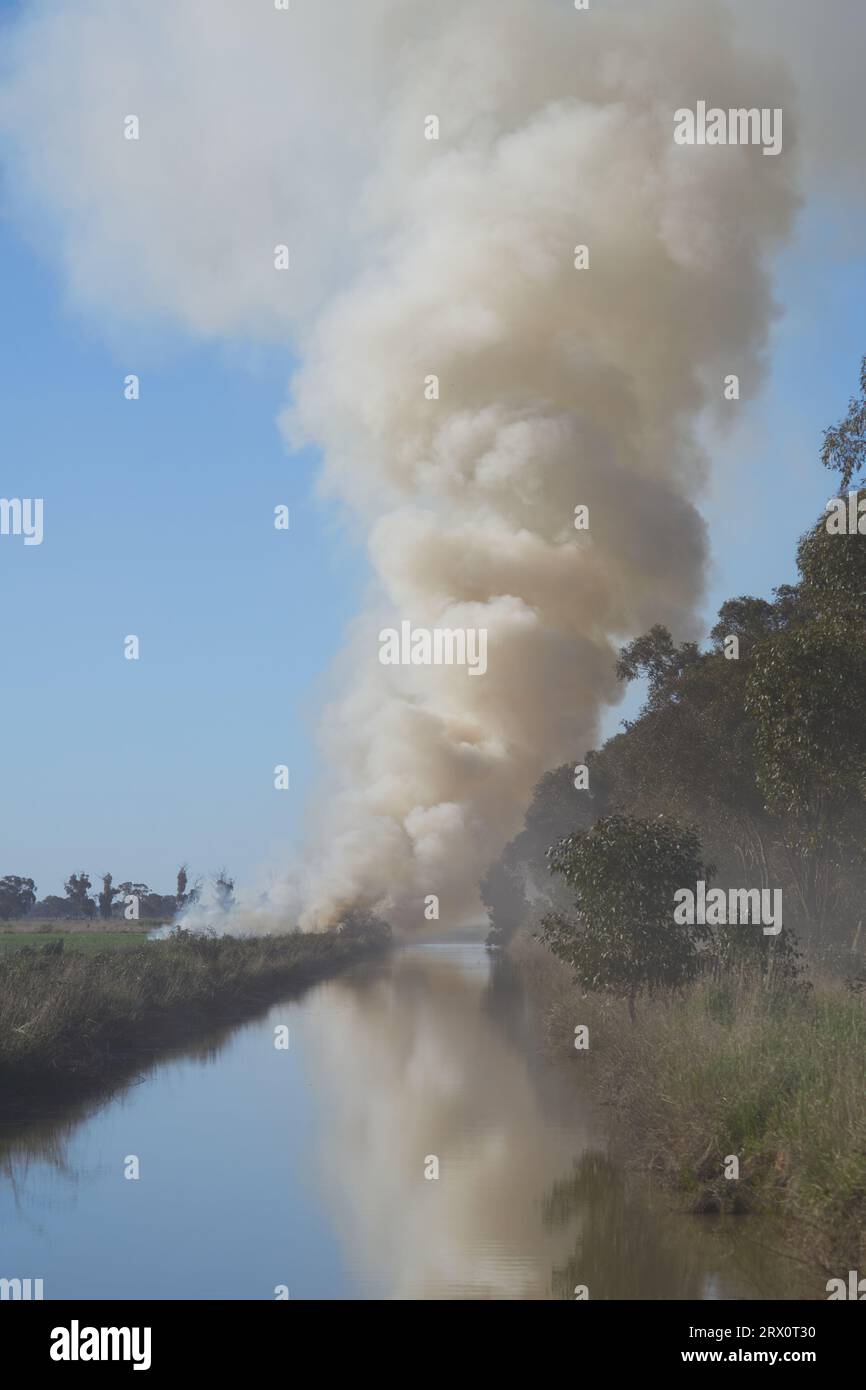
(749, 756)
(18, 898)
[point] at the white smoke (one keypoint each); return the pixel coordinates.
(558, 387)
(454, 258)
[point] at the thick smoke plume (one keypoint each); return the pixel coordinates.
(558, 387)
(455, 258)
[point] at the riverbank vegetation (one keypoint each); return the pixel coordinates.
(732, 1047)
(71, 1021)
(728, 1068)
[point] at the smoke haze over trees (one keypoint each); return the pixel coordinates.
(762, 753)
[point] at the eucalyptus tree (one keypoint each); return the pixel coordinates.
(17, 896)
(622, 937)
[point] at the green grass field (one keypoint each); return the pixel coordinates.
(39, 926)
(87, 941)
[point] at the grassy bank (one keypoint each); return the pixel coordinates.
(774, 1078)
(71, 1021)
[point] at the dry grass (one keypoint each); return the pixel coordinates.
(773, 1077)
(69, 1021)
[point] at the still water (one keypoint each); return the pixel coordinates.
(305, 1167)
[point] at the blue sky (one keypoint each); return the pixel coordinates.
(167, 532)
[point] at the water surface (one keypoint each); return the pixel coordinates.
(307, 1168)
